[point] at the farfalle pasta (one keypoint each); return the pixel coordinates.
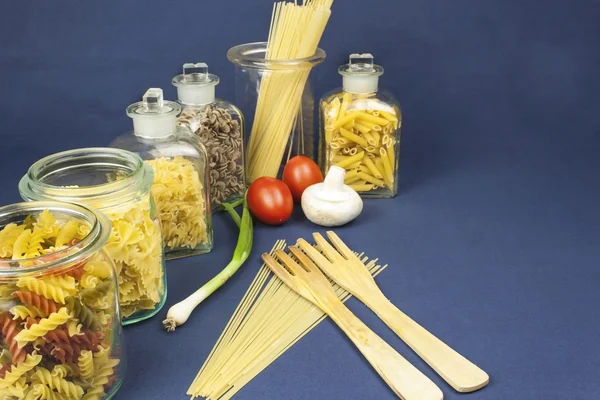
(181, 202)
(60, 333)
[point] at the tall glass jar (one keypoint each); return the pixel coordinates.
(181, 170)
(61, 328)
(219, 125)
(276, 98)
(360, 130)
(116, 182)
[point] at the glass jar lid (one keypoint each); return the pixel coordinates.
(154, 117)
(195, 85)
(361, 75)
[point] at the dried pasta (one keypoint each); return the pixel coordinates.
(54, 327)
(269, 320)
(178, 193)
(135, 245)
(361, 138)
(296, 30)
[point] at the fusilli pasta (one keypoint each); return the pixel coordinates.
(49, 328)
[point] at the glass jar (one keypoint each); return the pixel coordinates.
(116, 182)
(219, 125)
(360, 130)
(276, 99)
(59, 314)
(179, 161)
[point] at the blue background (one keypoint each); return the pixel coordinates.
(493, 242)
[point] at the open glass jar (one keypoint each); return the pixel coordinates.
(180, 165)
(116, 182)
(61, 328)
(360, 130)
(276, 99)
(219, 125)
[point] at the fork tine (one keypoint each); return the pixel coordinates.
(290, 263)
(313, 253)
(340, 245)
(280, 271)
(329, 251)
(303, 258)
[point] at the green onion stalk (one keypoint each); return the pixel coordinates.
(179, 313)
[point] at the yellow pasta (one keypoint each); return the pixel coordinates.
(362, 188)
(366, 117)
(353, 137)
(351, 160)
(269, 319)
(371, 166)
(371, 179)
(43, 327)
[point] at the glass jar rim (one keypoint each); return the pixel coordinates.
(93, 242)
(32, 186)
(248, 55)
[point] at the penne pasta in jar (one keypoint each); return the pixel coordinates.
(360, 130)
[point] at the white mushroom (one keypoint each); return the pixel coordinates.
(331, 203)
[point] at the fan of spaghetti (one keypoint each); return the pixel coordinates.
(269, 320)
(295, 34)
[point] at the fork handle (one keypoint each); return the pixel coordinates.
(460, 373)
(405, 380)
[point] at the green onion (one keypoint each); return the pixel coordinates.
(179, 313)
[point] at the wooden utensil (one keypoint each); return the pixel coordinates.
(348, 271)
(309, 282)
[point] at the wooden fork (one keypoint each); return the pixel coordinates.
(348, 271)
(309, 282)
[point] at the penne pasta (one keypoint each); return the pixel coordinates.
(352, 173)
(361, 128)
(389, 116)
(351, 160)
(354, 179)
(354, 137)
(364, 116)
(370, 140)
(371, 167)
(361, 188)
(371, 179)
(387, 166)
(349, 125)
(343, 121)
(355, 165)
(346, 100)
(377, 136)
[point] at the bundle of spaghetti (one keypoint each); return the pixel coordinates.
(269, 320)
(294, 34)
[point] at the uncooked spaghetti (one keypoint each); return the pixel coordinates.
(269, 320)
(294, 34)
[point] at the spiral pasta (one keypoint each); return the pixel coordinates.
(43, 288)
(55, 321)
(63, 386)
(86, 365)
(43, 327)
(17, 371)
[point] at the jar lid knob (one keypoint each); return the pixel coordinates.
(154, 117)
(196, 86)
(153, 100)
(361, 62)
(195, 72)
(361, 74)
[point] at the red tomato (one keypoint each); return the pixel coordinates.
(270, 200)
(299, 173)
